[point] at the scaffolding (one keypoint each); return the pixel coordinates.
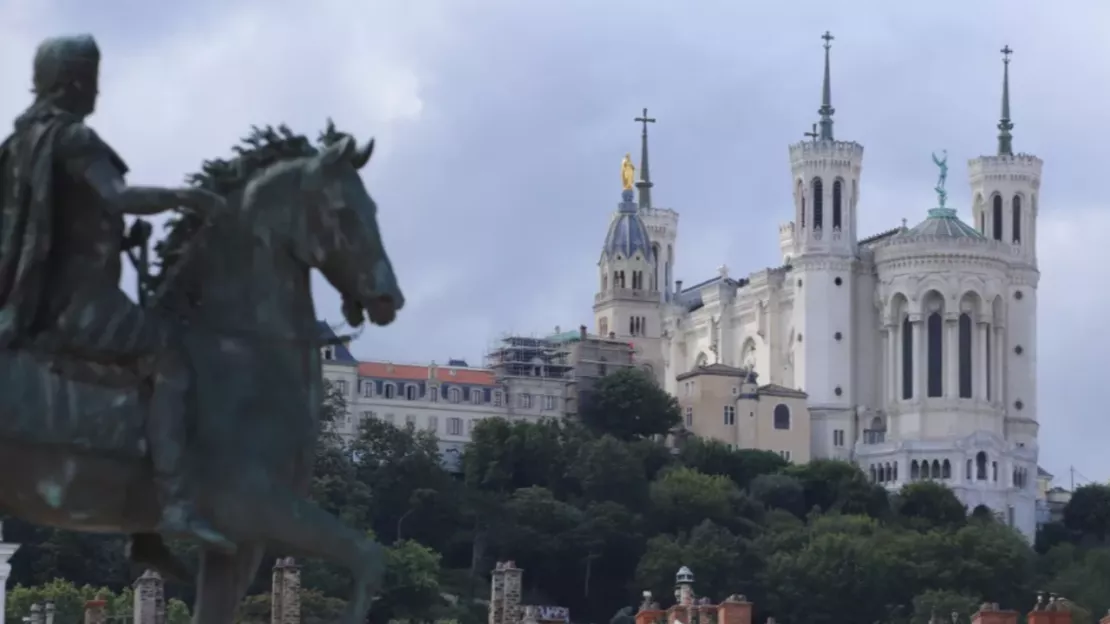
(529, 356)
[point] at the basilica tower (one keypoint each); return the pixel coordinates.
(822, 251)
(1005, 190)
(629, 302)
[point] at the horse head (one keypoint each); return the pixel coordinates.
(333, 227)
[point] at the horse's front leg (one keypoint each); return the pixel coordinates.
(300, 527)
(222, 582)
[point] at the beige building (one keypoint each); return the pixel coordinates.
(725, 403)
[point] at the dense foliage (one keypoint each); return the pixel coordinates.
(595, 518)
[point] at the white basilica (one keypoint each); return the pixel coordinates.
(916, 347)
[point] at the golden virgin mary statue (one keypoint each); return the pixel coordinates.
(628, 172)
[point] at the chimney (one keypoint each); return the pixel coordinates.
(1054, 611)
(497, 594)
(36, 614)
(95, 610)
(285, 592)
(150, 600)
(50, 612)
(649, 612)
(734, 610)
(513, 581)
(989, 613)
(677, 286)
(582, 332)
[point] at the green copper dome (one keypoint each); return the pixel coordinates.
(943, 223)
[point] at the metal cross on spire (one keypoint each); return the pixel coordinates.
(1005, 139)
(644, 185)
(826, 111)
(812, 135)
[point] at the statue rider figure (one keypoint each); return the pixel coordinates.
(62, 204)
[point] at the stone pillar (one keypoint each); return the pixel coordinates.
(920, 358)
(980, 379)
(891, 368)
(96, 611)
(497, 594)
(951, 356)
(514, 578)
(998, 360)
(150, 599)
(285, 600)
(6, 552)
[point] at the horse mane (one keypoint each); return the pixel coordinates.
(259, 151)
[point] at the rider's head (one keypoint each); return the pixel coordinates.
(67, 72)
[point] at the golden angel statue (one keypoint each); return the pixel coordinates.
(628, 172)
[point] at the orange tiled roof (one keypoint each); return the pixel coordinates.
(412, 372)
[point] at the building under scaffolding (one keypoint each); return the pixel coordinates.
(522, 356)
(569, 363)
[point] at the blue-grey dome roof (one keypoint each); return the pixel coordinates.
(627, 233)
(943, 223)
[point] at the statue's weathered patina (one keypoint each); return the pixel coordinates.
(225, 359)
(942, 177)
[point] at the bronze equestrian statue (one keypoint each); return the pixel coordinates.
(195, 416)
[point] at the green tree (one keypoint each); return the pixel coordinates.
(929, 505)
(682, 498)
(741, 465)
(778, 491)
(932, 604)
(628, 404)
(722, 562)
(836, 485)
(1088, 512)
(503, 456)
(607, 470)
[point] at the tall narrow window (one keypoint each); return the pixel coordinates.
(907, 358)
(935, 355)
(965, 356)
(987, 367)
(1015, 209)
(996, 217)
(802, 197)
(818, 203)
(837, 186)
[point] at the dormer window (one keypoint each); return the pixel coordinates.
(454, 394)
(390, 390)
(328, 353)
(410, 392)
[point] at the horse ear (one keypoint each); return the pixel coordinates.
(342, 150)
(362, 155)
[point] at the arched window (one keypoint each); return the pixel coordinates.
(965, 356)
(994, 471)
(936, 355)
(894, 471)
(981, 466)
(390, 390)
(782, 416)
(655, 267)
(967, 472)
(454, 395)
(818, 203)
(604, 281)
(837, 192)
(410, 392)
(802, 196)
(936, 469)
(907, 358)
(874, 476)
(1015, 209)
(946, 469)
(915, 471)
(996, 217)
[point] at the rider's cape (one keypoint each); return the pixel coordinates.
(27, 218)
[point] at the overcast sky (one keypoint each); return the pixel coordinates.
(501, 123)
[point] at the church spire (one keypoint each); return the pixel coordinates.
(826, 111)
(1005, 140)
(644, 185)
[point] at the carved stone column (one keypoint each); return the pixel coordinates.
(951, 356)
(920, 357)
(998, 362)
(982, 379)
(6, 552)
(891, 365)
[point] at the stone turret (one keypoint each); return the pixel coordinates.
(285, 600)
(150, 599)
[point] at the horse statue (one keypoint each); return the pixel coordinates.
(73, 456)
